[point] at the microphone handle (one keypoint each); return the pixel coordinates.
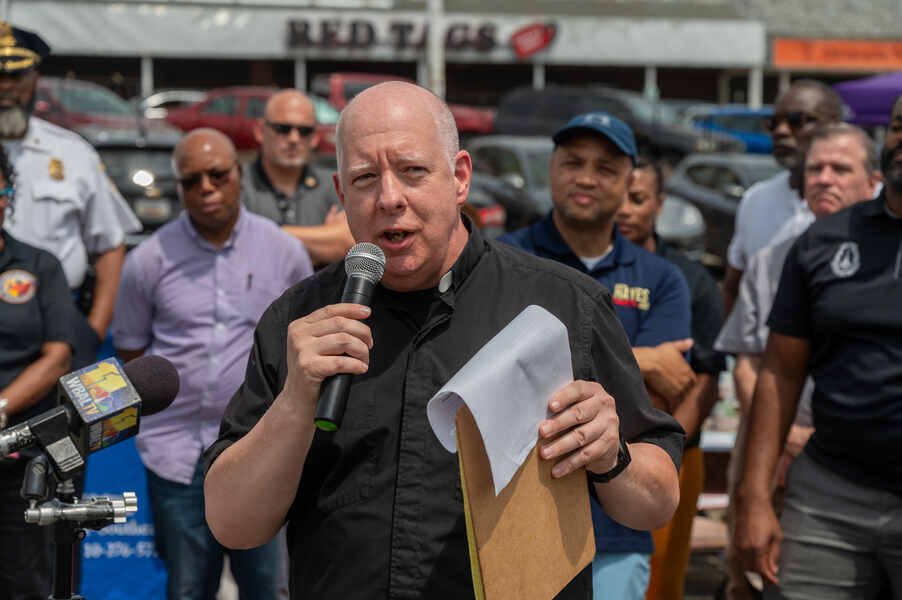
(333, 398)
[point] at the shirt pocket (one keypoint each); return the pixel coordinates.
(348, 471)
(59, 207)
(259, 294)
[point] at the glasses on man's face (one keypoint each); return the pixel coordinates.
(286, 128)
(795, 120)
(218, 177)
(6, 193)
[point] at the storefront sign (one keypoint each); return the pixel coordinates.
(795, 53)
(531, 39)
(332, 34)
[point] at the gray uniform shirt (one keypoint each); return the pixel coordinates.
(308, 206)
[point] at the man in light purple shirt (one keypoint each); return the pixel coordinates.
(193, 293)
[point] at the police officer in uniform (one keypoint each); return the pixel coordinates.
(35, 350)
(65, 204)
(283, 186)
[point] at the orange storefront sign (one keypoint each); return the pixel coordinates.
(794, 53)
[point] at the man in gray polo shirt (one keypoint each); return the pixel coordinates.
(283, 186)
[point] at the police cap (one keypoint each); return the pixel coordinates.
(20, 49)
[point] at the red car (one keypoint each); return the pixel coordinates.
(79, 105)
(235, 111)
(339, 88)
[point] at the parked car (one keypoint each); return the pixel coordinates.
(235, 111)
(523, 162)
(157, 105)
(529, 111)
(339, 88)
(747, 124)
(140, 164)
(76, 104)
(714, 183)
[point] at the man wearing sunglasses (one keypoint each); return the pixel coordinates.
(768, 205)
(193, 293)
(65, 204)
(283, 186)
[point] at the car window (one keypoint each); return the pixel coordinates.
(497, 162)
(326, 114)
(746, 123)
(222, 105)
(702, 175)
(92, 100)
(253, 107)
(537, 165)
(760, 172)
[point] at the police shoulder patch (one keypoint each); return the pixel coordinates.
(17, 286)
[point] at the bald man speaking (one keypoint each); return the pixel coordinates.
(283, 186)
(374, 509)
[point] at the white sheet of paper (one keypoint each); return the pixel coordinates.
(507, 385)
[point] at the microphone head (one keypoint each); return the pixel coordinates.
(156, 381)
(365, 260)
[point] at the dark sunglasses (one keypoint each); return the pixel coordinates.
(795, 120)
(7, 193)
(217, 177)
(285, 128)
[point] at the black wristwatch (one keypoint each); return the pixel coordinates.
(623, 461)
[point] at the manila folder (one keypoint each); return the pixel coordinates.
(535, 536)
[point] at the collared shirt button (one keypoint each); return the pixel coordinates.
(219, 327)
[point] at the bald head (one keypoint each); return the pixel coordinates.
(203, 142)
(386, 102)
(287, 102)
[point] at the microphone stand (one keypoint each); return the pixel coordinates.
(52, 503)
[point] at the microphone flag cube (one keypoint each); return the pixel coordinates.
(107, 404)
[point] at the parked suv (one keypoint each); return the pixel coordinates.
(529, 111)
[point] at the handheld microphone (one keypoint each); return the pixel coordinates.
(364, 266)
(100, 405)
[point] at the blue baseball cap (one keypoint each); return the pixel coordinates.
(603, 124)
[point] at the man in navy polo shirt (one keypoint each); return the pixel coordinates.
(591, 168)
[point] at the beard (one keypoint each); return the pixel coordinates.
(892, 171)
(14, 120)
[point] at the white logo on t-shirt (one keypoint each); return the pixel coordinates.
(846, 261)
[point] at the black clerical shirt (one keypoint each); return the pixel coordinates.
(378, 513)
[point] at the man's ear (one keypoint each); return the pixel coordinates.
(463, 173)
(337, 183)
(258, 131)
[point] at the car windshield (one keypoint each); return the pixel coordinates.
(122, 164)
(326, 114)
(652, 112)
(92, 100)
(747, 123)
(537, 161)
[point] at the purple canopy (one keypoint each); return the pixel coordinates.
(871, 99)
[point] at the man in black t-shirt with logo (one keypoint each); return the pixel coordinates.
(836, 317)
